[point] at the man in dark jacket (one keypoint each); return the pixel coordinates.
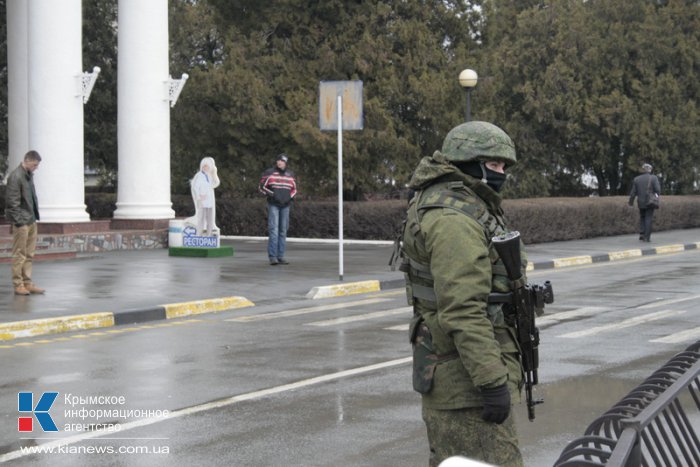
(22, 211)
(645, 188)
(280, 187)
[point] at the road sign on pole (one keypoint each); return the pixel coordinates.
(340, 108)
(351, 92)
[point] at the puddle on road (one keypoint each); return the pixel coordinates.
(569, 407)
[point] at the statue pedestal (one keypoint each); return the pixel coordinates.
(184, 241)
(199, 252)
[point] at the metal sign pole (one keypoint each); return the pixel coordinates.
(340, 185)
(339, 93)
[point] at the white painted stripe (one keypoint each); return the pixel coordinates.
(362, 317)
(303, 311)
(668, 302)
(583, 311)
(330, 241)
(215, 405)
(400, 327)
(683, 336)
(625, 323)
(389, 293)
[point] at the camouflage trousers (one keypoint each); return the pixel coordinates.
(463, 432)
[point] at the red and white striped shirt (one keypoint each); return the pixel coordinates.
(279, 186)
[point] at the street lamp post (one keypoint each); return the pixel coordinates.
(468, 79)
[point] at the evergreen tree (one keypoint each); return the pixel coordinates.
(265, 92)
(585, 88)
(599, 87)
(100, 113)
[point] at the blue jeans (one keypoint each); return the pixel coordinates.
(277, 225)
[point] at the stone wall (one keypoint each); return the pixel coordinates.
(107, 241)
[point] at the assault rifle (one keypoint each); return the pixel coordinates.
(527, 300)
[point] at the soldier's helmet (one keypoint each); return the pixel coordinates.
(478, 141)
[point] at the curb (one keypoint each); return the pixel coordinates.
(339, 290)
(612, 256)
(350, 288)
(39, 327)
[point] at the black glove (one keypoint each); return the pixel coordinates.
(496, 404)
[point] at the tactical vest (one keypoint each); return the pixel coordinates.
(415, 262)
(435, 356)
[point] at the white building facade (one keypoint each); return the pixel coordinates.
(46, 90)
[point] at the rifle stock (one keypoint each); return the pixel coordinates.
(527, 300)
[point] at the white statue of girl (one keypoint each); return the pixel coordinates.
(202, 185)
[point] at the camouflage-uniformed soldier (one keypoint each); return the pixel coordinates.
(466, 360)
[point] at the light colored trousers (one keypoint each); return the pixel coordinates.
(23, 248)
(205, 221)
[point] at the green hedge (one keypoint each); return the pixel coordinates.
(552, 219)
(539, 220)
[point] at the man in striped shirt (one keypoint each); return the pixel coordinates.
(279, 186)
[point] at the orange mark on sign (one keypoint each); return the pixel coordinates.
(349, 108)
(329, 110)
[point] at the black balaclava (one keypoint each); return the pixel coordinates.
(478, 169)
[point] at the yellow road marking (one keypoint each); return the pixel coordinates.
(339, 290)
(37, 327)
(669, 249)
(625, 254)
(572, 261)
(177, 310)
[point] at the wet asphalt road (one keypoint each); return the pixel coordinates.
(124, 280)
(287, 383)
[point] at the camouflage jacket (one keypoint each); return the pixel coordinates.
(446, 244)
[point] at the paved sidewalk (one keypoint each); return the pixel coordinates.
(135, 286)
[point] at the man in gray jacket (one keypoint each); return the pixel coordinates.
(646, 188)
(22, 211)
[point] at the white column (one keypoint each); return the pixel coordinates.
(17, 107)
(56, 108)
(143, 122)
